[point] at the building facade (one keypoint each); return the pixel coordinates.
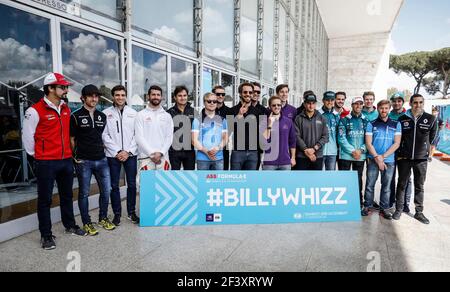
(139, 43)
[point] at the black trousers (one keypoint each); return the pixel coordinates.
(47, 172)
(226, 160)
(304, 164)
(346, 165)
(185, 159)
(405, 167)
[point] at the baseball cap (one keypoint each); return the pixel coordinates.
(311, 98)
(90, 90)
(56, 79)
(357, 99)
(329, 95)
(398, 95)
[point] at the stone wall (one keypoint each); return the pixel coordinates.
(359, 63)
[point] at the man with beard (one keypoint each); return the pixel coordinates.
(339, 106)
(245, 134)
(154, 133)
(181, 153)
(87, 125)
(121, 150)
(46, 137)
(262, 111)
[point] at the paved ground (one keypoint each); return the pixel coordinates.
(402, 246)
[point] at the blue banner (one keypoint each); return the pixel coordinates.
(444, 136)
(185, 198)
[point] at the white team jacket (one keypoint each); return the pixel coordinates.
(154, 132)
(119, 134)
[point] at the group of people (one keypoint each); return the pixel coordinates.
(385, 139)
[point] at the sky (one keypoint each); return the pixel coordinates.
(421, 26)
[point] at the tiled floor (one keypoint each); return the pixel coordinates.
(399, 246)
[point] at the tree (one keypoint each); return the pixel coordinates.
(417, 65)
(392, 91)
(440, 81)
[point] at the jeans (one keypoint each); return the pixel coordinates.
(100, 170)
(185, 159)
(330, 163)
(244, 160)
(419, 168)
(210, 165)
(47, 172)
(115, 167)
(346, 165)
(277, 167)
(373, 173)
(408, 193)
(305, 164)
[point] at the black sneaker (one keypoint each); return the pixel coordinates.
(386, 215)
(397, 215)
(406, 210)
(48, 242)
(116, 220)
(365, 212)
(134, 218)
(421, 218)
(376, 207)
(76, 231)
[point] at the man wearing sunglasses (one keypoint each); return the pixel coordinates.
(210, 136)
(46, 137)
(419, 130)
(245, 131)
(257, 97)
(398, 110)
(223, 111)
(262, 112)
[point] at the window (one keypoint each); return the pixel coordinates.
(90, 58)
(282, 77)
(218, 29)
(268, 62)
(211, 78)
(292, 65)
(249, 25)
(25, 47)
(149, 68)
(107, 7)
(183, 73)
(25, 55)
(172, 21)
(228, 82)
(265, 96)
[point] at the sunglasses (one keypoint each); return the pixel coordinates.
(220, 94)
(62, 87)
(211, 102)
(247, 92)
(276, 105)
(257, 92)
